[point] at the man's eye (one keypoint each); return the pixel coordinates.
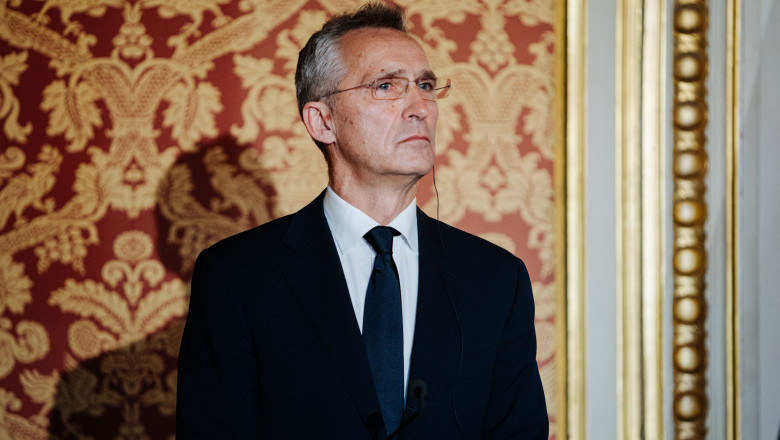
(384, 85)
(426, 86)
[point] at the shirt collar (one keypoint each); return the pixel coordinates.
(348, 224)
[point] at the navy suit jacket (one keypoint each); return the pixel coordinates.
(272, 348)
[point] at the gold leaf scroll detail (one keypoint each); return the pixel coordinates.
(129, 318)
(67, 8)
(270, 100)
(133, 164)
(288, 160)
(74, 112)
(62, 235)
(536, 97)
(14, 286)
(492, 178)
(191, 113)
(195, 10)
(290, 41)
(292, 164)
(133, 96)
(21, 31)
(133, 266)
(123, 383)
(87, 340)
(238, 190)
(239, 34)
(492, 48)
(41, 389)
(28, 190)
(30, 344)
(11, 67)
(11, 160)
(92, 300)
(195, 227)
(14, 427)
(132, 42)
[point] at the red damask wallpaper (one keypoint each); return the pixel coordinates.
(137, 132)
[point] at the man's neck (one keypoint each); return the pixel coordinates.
(381, 203)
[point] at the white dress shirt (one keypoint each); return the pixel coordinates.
(348, 225)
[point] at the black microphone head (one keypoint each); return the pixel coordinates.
(419, 388)
(416, 391)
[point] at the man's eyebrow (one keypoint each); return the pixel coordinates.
(392, 73)
(426, 74)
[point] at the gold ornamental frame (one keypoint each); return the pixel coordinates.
(640, 199)
(570, 208)
(640, 159)
(733, 36)
(690, 115)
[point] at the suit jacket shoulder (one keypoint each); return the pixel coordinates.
(465, 255)
(252, 242)
(276, 238)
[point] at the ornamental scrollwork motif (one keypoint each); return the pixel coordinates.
(11, 66)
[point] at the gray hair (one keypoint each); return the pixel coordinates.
(320, 68)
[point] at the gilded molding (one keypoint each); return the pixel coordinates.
(690, 163)
(640, 158)
(733, 416)
(570, 206)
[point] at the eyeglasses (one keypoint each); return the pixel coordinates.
(386, 89)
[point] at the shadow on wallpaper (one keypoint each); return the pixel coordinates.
(130, 392)
(126, 393)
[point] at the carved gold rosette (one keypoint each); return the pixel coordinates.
(690, 213)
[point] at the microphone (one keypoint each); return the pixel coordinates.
(417, 389)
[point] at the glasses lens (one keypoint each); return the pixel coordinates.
(396, 88)
(389, 88)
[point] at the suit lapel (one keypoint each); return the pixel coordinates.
(317, 280)
(437, 339)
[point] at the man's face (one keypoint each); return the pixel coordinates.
(377, 141)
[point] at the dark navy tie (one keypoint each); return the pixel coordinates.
(383, 327)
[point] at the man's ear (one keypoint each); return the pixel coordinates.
(316, 118)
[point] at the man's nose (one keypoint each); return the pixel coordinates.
(415, 103)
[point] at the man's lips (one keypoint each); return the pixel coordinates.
(417, 137)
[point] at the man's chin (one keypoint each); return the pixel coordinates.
(422, 169)
(411, 174)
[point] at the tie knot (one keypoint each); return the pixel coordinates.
(381, 239)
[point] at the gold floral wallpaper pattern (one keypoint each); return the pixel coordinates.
(137, 132)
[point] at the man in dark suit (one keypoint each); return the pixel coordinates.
(359, 317)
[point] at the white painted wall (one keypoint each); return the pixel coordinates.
(601, 284)
(716, 225)
(760, 220)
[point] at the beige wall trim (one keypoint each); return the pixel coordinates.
(654, 154)
(690, 115)
(732, 205)
(570, 184)
(640, 157)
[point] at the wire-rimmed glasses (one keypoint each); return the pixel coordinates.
(387, 89)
